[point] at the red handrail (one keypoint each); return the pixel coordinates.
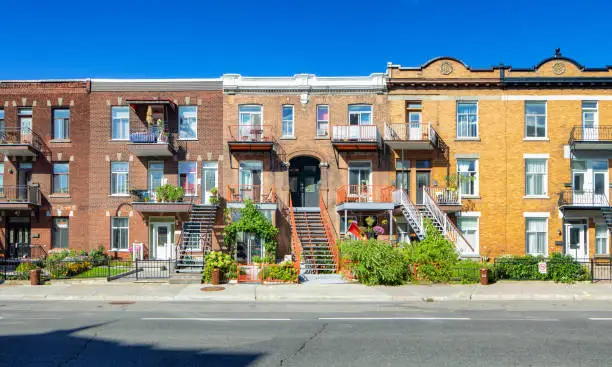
(329, 233)
(297, 246)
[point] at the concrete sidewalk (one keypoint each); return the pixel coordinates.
(502, 291)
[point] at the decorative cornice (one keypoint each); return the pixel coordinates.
(303, 83)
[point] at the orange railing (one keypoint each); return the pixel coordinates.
(256, 193)
(250, 133)
(364, 194)
(330, 233)
(295, 240)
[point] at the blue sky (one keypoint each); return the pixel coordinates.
(173, 38)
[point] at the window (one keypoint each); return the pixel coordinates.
(119, 233)
(60, 178)
(59, 235)
(2, 123)
(288, 120)
(536, 177)
(61, 123)
(188, 177)
(120, 124)
(188, 122)
(25, 121)
(322, 120)
(359, 173)
(535, 119)
(601, 239)
(536, 232)
(360, 115)
(1, 178)
(423, 163)
(469, 228)
(119, 178)
(250, 115)
(467, 172)
(467, 119)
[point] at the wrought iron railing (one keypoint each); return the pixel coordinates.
(295, 239)
(595, 134)
(572, 197)
(330, 232)
(355, 133)
(364, 194)
(21, 136)
(20, 194)
(444, 195)
(256, 193)
(149, 136)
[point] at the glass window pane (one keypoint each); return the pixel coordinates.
(360, 108)
(323, 113)
(188, 122)
(61, 114)
(60, 168)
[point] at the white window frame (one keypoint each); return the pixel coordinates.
(467, 128)
(1, 178)
(291, 122)
(538, 216)
(360, 113)
(545, 174)
(606, 237)
(471, 215)
(115, 175)
(55, 176)
(65, 124)
(190, 119)
(127, 138)
(348, 176)
(127, 229)
(476, 177)
(318, 128)
(195, 176)
(545, 137)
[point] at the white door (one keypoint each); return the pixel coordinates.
(590, 121)
(590, 183)
(161, 243)
(209, 180)
(415, 131)
(575, 241)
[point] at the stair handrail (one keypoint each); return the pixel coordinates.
(179, 245)
(400, 197)
(330, 233)
(448, 227)
(297, 246)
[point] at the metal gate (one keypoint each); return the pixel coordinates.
(601, 269)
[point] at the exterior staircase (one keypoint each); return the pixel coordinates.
(316, 254)
(196, 239)
(416, 217)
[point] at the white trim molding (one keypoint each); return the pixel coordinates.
(468, 214)
(536, 156)
(304, 83)
(536, 214)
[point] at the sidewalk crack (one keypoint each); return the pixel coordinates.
(303, 345)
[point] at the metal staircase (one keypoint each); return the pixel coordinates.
(316, 255)
(430, 210)
(196, 239)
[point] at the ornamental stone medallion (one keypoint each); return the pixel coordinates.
(446, 68)
(558, 68)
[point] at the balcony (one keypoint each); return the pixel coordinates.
(447, 199)
(591, 138)
(406, 136)
(365, 197)
(18, 142)
(150, 143)
(144, 201)
(250, 138)
(584, 199)
(19, 197)
(255, 193)
(356, 138)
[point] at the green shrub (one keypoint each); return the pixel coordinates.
(562, 268)
(23, 270)
(375, 262)
(216, 259)
(67, 269)
(559, 268)
(98, 255)
(284, 271)
(468, 272)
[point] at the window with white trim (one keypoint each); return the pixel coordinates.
(535, 119)
(188, 122)
(536, 177)
(1, 121)
(469, 229)
(119, 233)
(120, 123)
(188, 173)
(60, 178)
(119, 178)
(61, 123)
(59, 233)
(322, 120)
(467, 172)
(601, 239)
(467, 119)
(360, 114)
(536, 235)
(287, 120)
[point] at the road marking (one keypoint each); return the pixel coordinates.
(207, 319)
(551, 320)
(394, 318)
(600, 318)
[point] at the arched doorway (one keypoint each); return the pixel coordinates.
(304, 181)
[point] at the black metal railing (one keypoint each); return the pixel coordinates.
(151, 135)
(586, 198)
(21, 136)
(590, 134)
(20, 194)
(601, 269)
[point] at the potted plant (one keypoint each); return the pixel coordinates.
(369, 229)
(214, 196)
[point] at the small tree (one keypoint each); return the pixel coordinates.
(434, 257)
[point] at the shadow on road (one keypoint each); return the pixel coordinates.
(65, 348)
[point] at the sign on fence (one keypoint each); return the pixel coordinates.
(542, 267)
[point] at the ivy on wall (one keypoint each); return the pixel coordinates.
(253, 221)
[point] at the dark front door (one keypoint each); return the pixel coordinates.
(18, 237)
(402, 180)
(422, 180)
(304, 181)
(24, 178)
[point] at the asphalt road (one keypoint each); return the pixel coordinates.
(326, 334)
